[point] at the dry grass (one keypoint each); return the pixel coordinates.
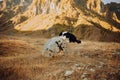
(14, 47)
(20, 59)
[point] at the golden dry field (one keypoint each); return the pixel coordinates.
(20, 59)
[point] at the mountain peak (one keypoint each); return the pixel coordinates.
(31, 15)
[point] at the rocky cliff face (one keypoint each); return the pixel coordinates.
(96, 5)
(15, 5)
(112, 10)
(50, 12)
(32, 15)
(59, 6)
(45, 7)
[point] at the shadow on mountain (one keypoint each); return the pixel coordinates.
(89, 13)
(5, 22)
(7, 26)
(106, 34)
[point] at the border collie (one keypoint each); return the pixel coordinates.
(70, 36)
(58, 44)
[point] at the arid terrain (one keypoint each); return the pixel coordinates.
(20, 59)
(26, 25)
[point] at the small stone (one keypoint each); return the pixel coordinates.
(101, 63)
(99, 66)
(68, 72)
(83, 76)
(92, 70)
(85, 79)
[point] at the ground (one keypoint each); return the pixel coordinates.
(20, 59)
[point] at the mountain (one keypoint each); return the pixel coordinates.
(34, 15)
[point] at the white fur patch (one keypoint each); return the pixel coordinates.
(64, 32)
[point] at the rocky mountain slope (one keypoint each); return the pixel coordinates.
(34, 15)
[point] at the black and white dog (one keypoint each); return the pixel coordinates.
(70, 36)
(58, 44)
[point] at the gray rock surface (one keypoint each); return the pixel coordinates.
(54, 46)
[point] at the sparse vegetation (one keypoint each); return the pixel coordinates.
(89, 60)
(20, 50)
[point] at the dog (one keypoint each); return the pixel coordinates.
(59, 44)
(70, 36)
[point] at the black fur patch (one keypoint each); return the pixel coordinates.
(59, 45)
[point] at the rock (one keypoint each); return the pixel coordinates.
(54, 46)
(100, 65)
(95, 5)
(84, 76)
(92, 70)
(68, 73)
